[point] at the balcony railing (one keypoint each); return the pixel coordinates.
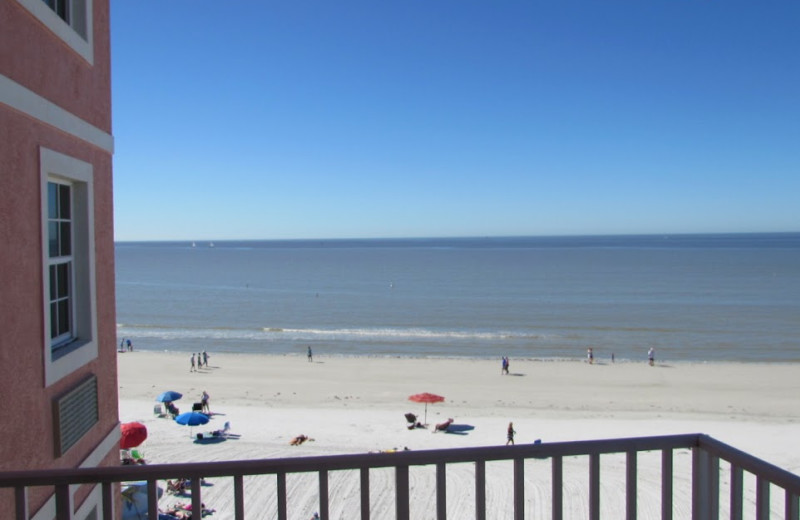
(704, 478)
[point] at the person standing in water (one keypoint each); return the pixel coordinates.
(310, 355)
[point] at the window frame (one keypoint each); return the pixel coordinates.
(63, 292)
(61, 358)
(77, 33)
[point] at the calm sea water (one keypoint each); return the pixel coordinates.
(692, 297)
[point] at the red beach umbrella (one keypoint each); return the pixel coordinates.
(132, 435)
(426, 398)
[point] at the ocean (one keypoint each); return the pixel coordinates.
(726, 297)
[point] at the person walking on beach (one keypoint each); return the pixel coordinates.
(205, 358)
(504, 366)
(204, 401)
(651, 356)
(130, 345)
(510, 434)
(590, 355)
(193, 369)
(310, 355)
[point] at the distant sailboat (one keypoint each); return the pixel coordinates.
(211, 244)
(194, 245)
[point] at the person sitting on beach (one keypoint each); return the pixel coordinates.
(178, 487)
(171, 409)
(442, 427)
(184, 511)
(300, 439)
(173, 513)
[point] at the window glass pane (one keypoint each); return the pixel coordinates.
(63, 280)
(52, 236)
(53, 320)
(64, 205)
(65, 237)
(53, 282)
(52, 200)
(63, 317)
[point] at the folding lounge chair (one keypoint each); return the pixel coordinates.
(412, 421)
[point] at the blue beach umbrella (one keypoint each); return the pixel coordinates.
(169, 396)
(192, 419)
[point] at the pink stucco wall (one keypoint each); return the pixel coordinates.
(40, 61)
(33, 57)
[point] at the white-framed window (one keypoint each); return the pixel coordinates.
(69, 299)
(70, 20)
(60, 263)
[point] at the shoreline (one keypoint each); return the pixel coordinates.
(599, 360)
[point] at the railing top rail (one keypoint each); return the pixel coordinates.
(747, 462)
(344, 462)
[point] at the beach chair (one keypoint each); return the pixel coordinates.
(412, 421)
(197, 407)
(157, 410)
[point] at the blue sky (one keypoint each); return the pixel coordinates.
(342, 119)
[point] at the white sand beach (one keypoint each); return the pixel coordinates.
(357, 405)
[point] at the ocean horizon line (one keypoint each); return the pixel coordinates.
(704, 239)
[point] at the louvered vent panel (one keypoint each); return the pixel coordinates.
(76, 412)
